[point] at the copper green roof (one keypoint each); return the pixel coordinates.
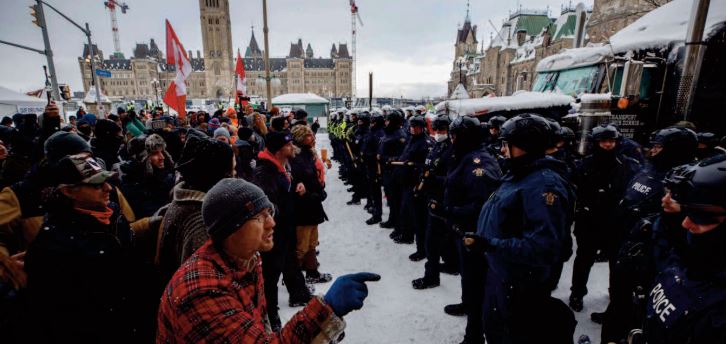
(533, 24)
(567, 29)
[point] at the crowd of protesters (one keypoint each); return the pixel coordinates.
(143, 226)
(494, 200)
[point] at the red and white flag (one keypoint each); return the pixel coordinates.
(176, 95)
(240, 88)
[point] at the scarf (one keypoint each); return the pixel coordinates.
(103, 216)
(267, 155)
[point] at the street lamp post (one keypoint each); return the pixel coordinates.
(265, 55)
(155, 84)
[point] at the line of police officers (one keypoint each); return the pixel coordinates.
(496, 202)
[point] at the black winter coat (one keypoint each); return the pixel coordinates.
(278, 188)
(309, 207)
(84, 286)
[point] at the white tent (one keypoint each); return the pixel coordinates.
(90, 101)
(459, 93)
(12, 102)
(298, 99)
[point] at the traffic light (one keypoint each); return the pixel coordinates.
(34, 14)
(65, 92)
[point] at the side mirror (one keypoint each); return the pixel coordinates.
(631, 79)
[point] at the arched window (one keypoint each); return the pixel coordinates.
(217, 21)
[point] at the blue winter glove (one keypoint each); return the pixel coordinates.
(348, 292)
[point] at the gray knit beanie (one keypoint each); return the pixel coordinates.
(229, 204)
(221, 132)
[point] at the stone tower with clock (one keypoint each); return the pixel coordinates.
(218, 47)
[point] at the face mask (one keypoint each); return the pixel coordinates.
(440, 137)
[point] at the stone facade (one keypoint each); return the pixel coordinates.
(212, 76)
(610, 16)
(509, 63)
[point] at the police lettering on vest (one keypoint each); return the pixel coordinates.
(660, 303)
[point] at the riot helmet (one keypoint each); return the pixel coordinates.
(699, 188)
(529, 132)
(673, 146)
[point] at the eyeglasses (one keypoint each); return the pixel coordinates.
(261, 218)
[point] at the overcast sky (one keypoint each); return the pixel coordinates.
(407, 44)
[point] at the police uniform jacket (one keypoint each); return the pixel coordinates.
(523, 223)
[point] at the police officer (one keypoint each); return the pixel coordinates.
(686, 303)
(707, 145)
(409, 168)
(521, 227)
(494, 125)
(670, 147)
(601, 179)
(438, 240)
(358, 175)
(390, 148)
(472, 176)
(373, 170)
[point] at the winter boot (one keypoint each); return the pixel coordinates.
(275, 322)
(374, 219)
(576, 303)
(387, 224)
(299, 300)
(445, 269)
(598, 317)
(425, 283)
(417, 256)
(457, 309)
(404, 239)
(314, 276)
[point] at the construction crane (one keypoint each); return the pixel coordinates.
(112, 5)
(354, 17)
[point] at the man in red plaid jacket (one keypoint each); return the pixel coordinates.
(217, 295)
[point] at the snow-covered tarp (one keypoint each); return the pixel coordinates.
(572, 58)
(299, 98)
(459, 93)
(12, 102)
(665, 26)
(520, 101)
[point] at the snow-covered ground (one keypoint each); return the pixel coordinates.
(394, 312)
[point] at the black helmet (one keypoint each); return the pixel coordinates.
(364, 117)
(555, 131)
(496, 122)
(417, 121)
(395, 118)
(466, 132)
(377, 119)
(679, 146)
(528, 131)
(465, 125)
(566, 134)
(700, 189)
(709, 139)
(605, 132)
(442, 122)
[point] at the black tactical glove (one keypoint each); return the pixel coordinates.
(476, 243)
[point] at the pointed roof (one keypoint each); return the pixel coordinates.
(334, 53)
(253, 50)
(343, 51)
(296, 50)
(467, 28)
(309, 51)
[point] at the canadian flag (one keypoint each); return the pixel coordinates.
(176, 95)
(240, 88)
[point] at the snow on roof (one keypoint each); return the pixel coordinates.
(595, 97)
(527, 51)
(665, 25)
(459, 92)
(571, 58)
(520, 101)
(299, 98)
